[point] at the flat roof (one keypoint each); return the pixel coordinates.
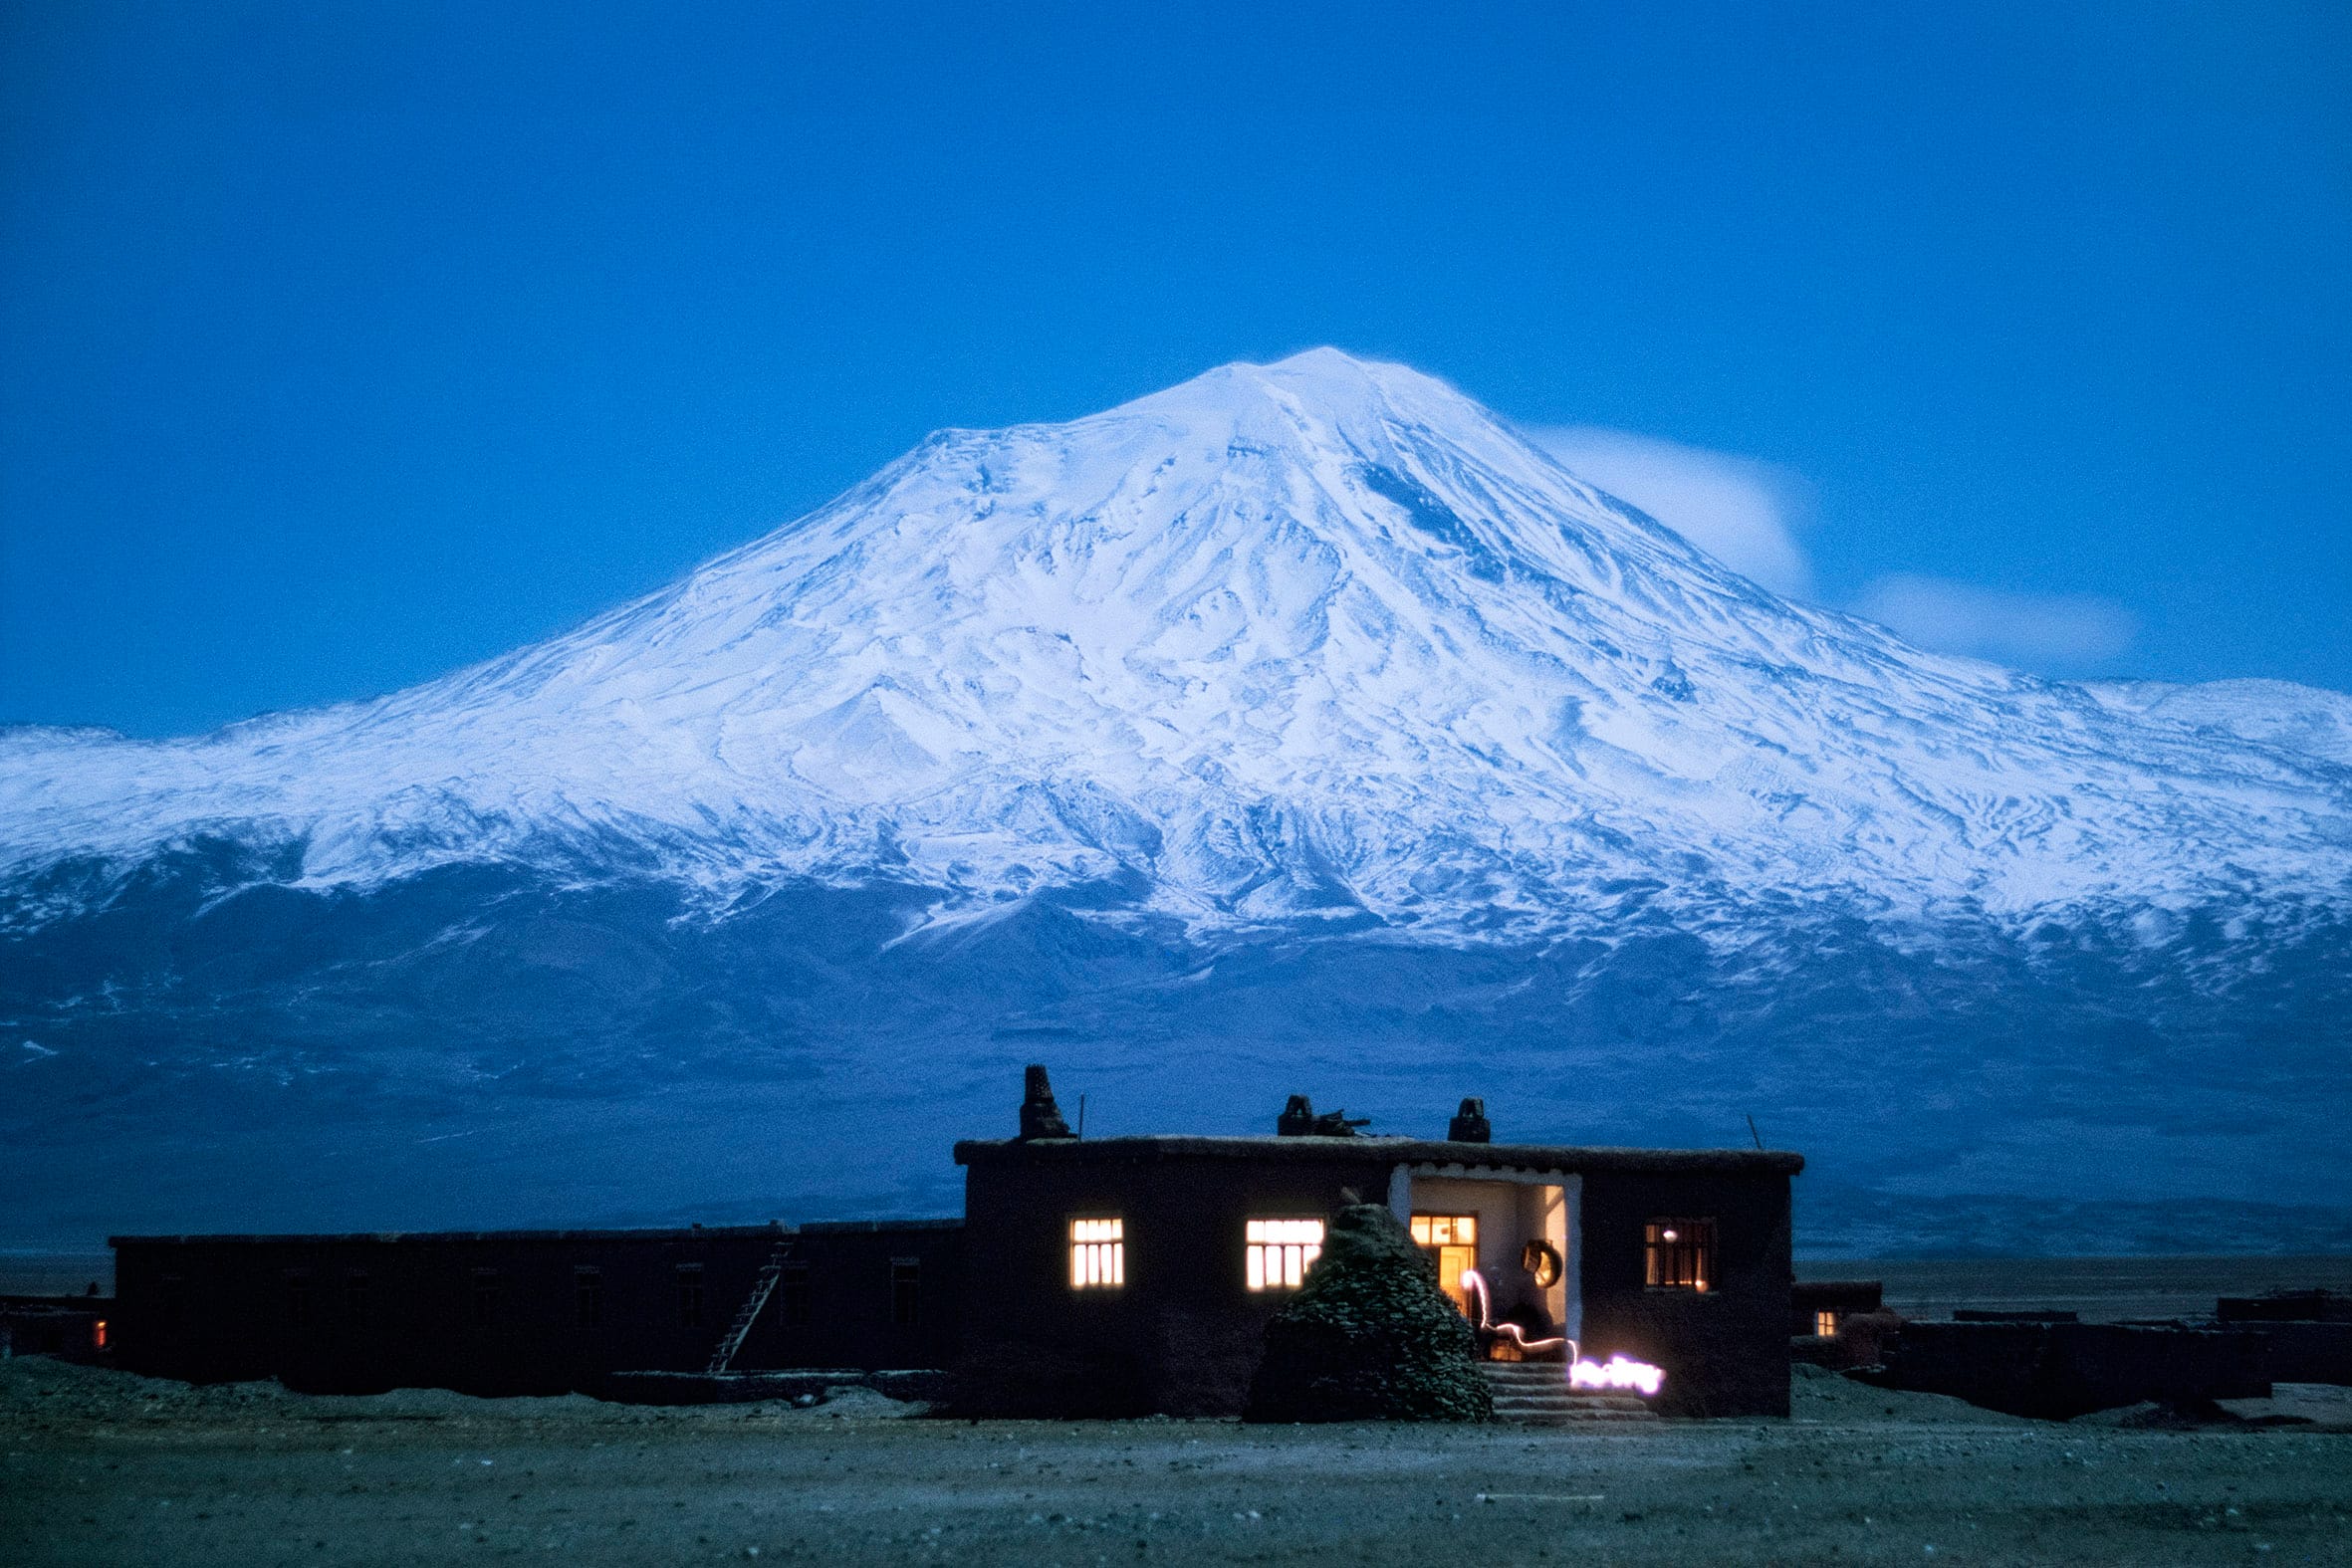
(636, 1233)
(1386, 1150)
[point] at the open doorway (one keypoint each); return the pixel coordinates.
(1516, 1232)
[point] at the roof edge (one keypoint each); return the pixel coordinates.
(811, 1228)
(1393, 1151)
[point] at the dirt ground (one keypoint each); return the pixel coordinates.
(98, 1466)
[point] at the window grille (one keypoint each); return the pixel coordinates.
(1680, 1254)
(1446, 1229)
(1825, 1324)
(1280, 1251)
(1097, 1255)
(906, 1279)
(1451, 1240)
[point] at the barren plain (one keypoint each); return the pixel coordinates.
(99, 1467)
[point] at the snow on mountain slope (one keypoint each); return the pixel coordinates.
(1314, 639)
(1297, 728)
(2271, 713)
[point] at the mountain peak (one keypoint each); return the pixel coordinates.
(1299, 723)
(1310, 638)
(1324, 391)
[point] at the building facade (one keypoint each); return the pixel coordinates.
(1087, 1276)
(498, 1312)
(1130, 1274)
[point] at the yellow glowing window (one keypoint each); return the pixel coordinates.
(1679, 1253)
(1097, 1255)
(1446, 1229)
(1825, 1324)
(1280, 1251)
(1451, 1243)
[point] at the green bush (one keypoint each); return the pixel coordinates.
(1369, 1336)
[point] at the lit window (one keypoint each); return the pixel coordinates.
(1451, 1243)
(1446, 1229)
(98, 1334)
(1825, 1324)
(1680, 1253)
(1280, 1251)
(1097, 1255)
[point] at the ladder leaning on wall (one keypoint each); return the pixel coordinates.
(762, 1288)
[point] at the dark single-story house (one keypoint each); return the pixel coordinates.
(1111, 1275)
(1138, 1273)
(69, 1328)
(1820, 1308)
(498, 1312)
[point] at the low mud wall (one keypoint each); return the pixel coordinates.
(749, 1388)
(2307, 1352)
(2061, 1370)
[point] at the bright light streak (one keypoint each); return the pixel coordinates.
(1618, 1374)
(1474, 1285)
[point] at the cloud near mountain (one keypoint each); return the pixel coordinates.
(1750, 515)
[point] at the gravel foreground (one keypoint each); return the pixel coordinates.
(98, 1466)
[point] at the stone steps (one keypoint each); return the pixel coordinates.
(1535, 1393)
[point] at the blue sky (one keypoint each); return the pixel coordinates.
(341, 346)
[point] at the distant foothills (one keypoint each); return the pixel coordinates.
(1301, 728)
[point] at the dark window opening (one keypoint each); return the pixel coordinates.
(690, 1295)
(1680, 1254)
(792, 1302)
(355, 1299)
(486, 1294)
(171, 1301)
(588, 1297)
(906, 1278)
(297, 1300)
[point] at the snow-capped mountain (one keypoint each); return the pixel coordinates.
(1313, 663)
(1308, 637)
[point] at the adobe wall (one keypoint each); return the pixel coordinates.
(2058, 1370)
(1184, 1335)
(419, 1320)
(1725, 1352)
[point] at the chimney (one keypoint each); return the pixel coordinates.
(1040, 1116)
(1299, 1120)
(1470, 1124)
